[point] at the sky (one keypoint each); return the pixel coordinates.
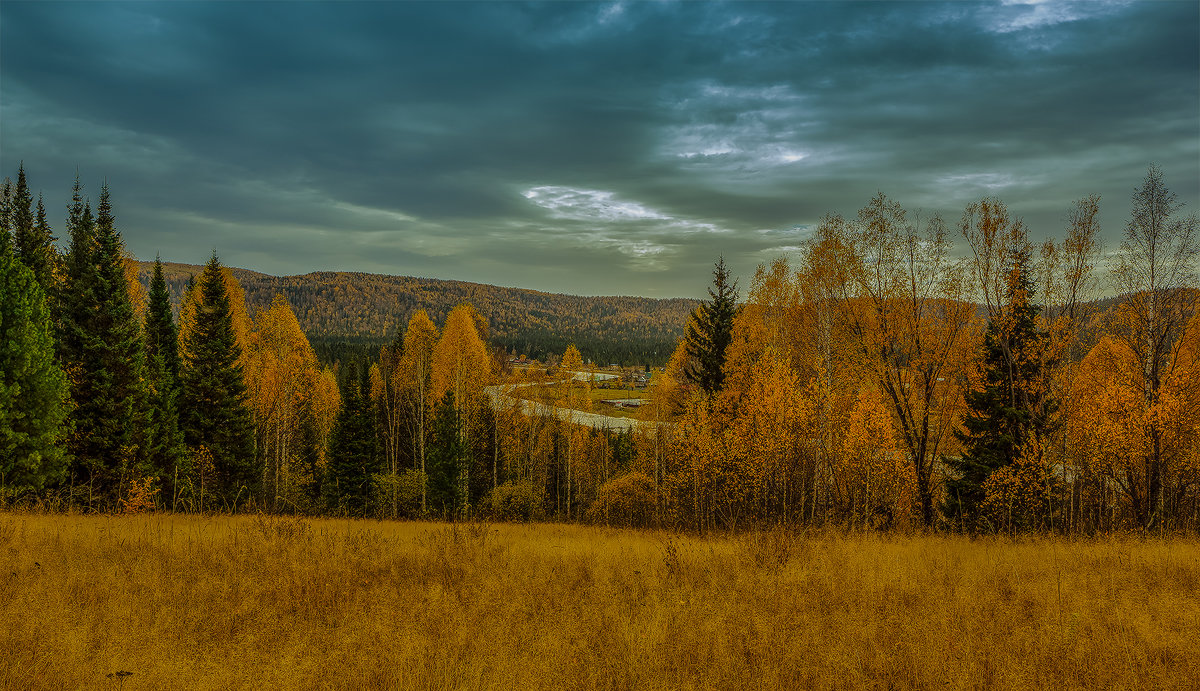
(586, 148)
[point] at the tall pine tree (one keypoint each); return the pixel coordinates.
(1010, 414)
(48, 262)
(101, 348)
(78, 345)
(162, 338)
(32, 238)
(164, 440)
(353, 448)
(6, 240)
(213, 407)
(710, 331)
(33, 390)
(446, 455)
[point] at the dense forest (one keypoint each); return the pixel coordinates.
(874, 381)
(354, 312)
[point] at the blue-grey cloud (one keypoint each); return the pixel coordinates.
(584, 147)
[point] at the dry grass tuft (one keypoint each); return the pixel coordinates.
(253, 602)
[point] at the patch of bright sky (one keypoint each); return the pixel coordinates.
(601, 206)
(1036, 14)
(588, 205)
(763, 134)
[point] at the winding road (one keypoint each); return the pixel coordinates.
(502, 398)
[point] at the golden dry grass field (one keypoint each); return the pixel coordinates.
(246, 602)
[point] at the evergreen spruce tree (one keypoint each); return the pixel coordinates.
(164, 440)
(20, 217)
(33, 389)
(124, 358)
(100, 347)
(1012, 409)
(32, 239)
(213, 407)
(162, 338)
(309, 456)
(80, 347)
(6, 240)
(710, 331)
(48, 262)
(353, 447)
(446, 455)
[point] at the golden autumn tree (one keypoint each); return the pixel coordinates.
(899, 298)
(1067, 287)
(414, 381)
(572, 361)
(691, 464)
(461, 369)
(873, 484)
(321, 407)
(282, 374)
(1147, 446)
(1157, 271)
(765, 438)
(572, 395)
(653, 440)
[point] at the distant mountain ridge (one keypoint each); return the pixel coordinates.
(371, 308)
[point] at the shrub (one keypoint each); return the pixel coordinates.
(626, 500)
(398, 496)
(514, 501)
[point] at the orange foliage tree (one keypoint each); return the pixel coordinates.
(900, 298)
(461, 368)
(282, 378)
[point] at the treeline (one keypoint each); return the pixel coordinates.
(351, 308)
(113, 400)
(873, 381)
(878, 381)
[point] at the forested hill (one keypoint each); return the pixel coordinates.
(369, 308)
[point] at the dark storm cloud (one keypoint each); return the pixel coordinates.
(599, 148)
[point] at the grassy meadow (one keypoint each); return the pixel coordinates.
(253, 602)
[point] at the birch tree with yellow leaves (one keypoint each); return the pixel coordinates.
(281, 378)
(1141, 380)
(900, 298)
(414, 381)
(462, 367)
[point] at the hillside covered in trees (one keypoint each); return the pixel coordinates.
(339, 308)
(874, 380)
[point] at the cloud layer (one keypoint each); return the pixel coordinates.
(585, 148)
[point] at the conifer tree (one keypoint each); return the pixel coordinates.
(33, 389)
(76, 294)
(20, 211)
(710, 331)
(6, 241)
(1011, 413)
(36, 248)
(20, 218)
(162, 338)
(32, 239)
(447, 454)
(100, 348)
(164, 439)
(354, 448)
(213, 404)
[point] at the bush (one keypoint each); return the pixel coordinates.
(626, 500)
(398, 496)
(514, 501)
